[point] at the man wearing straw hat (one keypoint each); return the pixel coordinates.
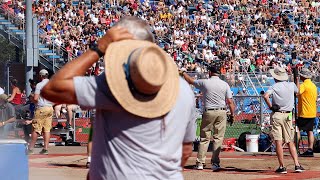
(307, 107)
(145, 122)
(282, 131)
(7, 116)
(216, 93)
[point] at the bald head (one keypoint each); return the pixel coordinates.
(138, 27)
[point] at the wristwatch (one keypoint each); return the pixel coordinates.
(95, 48)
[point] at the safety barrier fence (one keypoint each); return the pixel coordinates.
(252, 116)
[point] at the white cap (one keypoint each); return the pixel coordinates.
(43, 72)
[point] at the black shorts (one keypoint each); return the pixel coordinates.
(305, 124)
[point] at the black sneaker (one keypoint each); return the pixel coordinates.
(281, 170)
(88, 165)
(308, 153)
(44, 152)
(299, 169)
(215, 167)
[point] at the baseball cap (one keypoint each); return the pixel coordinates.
(43, 72)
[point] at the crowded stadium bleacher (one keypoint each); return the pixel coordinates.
(241, 35)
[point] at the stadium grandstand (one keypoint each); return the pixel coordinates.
(244, 36)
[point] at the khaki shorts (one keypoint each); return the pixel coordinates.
(42, 120)
(282, 128)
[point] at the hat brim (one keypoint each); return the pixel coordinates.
(305, 76)
(280, 78)
(148, 107)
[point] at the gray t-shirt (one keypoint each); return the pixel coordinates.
(41, 101)
(129, 147)
(283, 95)
(215, 91)
(7, 111)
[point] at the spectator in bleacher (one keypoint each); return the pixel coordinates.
(135, 126)
(282, 131)
(307, 108)
(7, 116)
(240, 31)
(16, 95)
(214, 118)
(42, 121)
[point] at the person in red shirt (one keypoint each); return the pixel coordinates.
(81, 12)
(184, 46)
(16, 95)
(108, 21)
(259, 61)
(225, 16)
(134, 6)
(223, 39)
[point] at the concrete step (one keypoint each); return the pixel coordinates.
(20, 32)
(54, 57)
(17, 30)
(43, 48)
(46, 51)
(1, 18)
(5, 22)
(13, 27)
(10, 25)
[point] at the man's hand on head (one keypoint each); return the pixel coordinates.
(114, 34)
(61, 87)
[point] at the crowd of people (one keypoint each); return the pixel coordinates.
(241, 35)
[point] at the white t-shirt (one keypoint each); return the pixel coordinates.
(42, 102)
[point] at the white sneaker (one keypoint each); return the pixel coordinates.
(199, 166)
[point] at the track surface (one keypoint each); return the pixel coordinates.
(67, 163)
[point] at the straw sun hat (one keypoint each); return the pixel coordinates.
(142, 77)
(279, 74)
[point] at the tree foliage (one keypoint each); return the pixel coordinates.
(7, 50)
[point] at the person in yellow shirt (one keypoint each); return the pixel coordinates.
(307, 108)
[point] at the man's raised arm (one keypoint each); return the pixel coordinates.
(60, 88)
